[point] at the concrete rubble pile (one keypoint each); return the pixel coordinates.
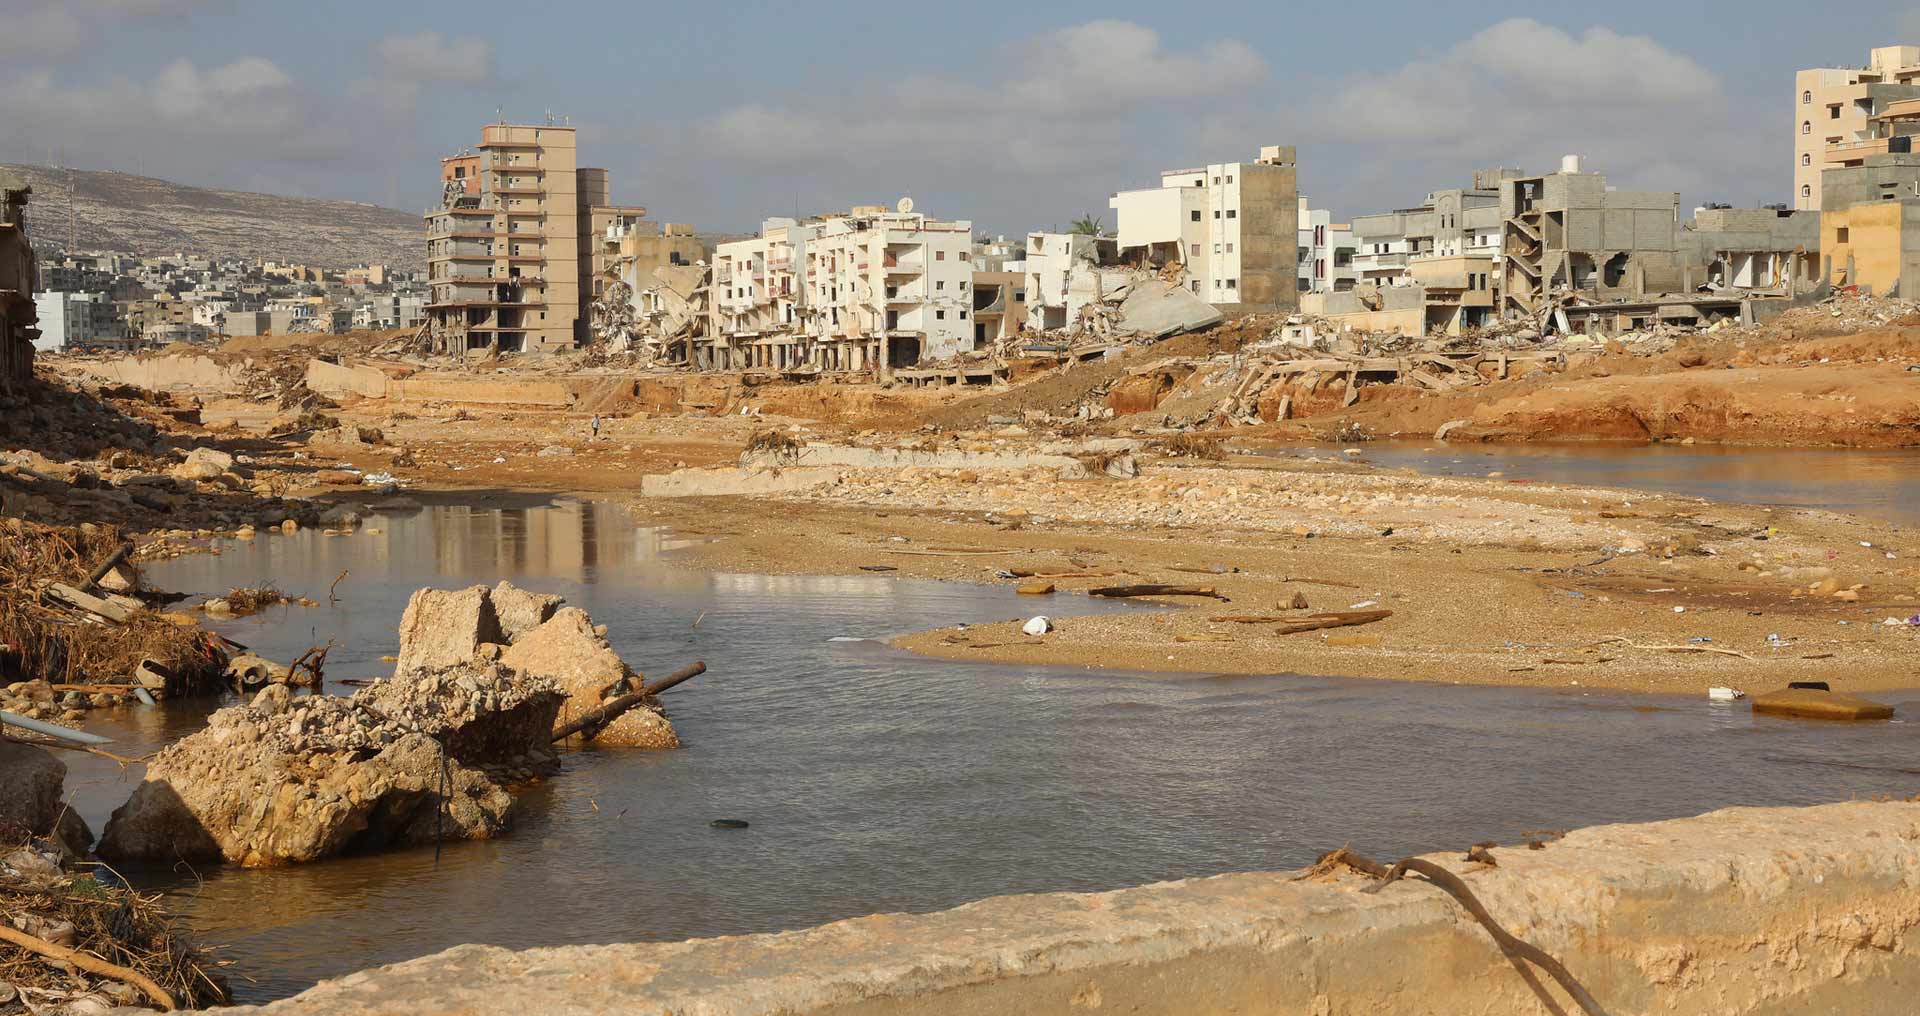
(483, 681)
(285, 780)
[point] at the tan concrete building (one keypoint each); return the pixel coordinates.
(1870, 227)
(511, 250)
(18, 280)
(1568, 233)
(1234, 226)
(1833, 112)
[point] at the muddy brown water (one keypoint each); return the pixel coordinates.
(1879, 483)
(876, 781)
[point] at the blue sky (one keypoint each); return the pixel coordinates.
(1016, 115)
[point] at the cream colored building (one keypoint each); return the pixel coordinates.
(1834, 110)
(868, 290)
(1234, 225)
(511, 249)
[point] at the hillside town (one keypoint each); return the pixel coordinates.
(875, 613)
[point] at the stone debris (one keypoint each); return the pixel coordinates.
(444, 628)
(287, 779)
(520, 611)
(570, 652)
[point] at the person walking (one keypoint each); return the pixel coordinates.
(596, 426)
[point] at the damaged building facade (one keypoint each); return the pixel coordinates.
(1232, 227)
(1567, 233)
(18, 280)
(1870, 225)
(869, 290)
(511, 249)
(649, 286)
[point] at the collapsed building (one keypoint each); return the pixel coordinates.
(18, 275)
(646, 282)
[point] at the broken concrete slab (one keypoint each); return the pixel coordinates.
(725, 482)
(569, 652)
(1156, 309)
(521, 611)
(445, 628)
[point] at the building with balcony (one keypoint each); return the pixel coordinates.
(1834, 113)
(19, 277)
(1233, 226)
(511, 249)
(1052, 265)
(1458, 222)
(1326, 252)
(868, 290)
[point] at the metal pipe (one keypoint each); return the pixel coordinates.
(691, 670)
(52, 730)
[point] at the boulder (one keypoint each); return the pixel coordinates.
(444, 628)
(290, 779)
(521, 611)
(568, 651)
(30, 780)
(203, 464)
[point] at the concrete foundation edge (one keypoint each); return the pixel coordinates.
(1741, 911)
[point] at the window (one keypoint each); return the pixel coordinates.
(1233, 283)
(1231, 213)
(940, 315)
(1216, 181)
(1806, 98)
(1840, 235)
(1196, 285)
(1216, 248)
(1020, 295)
(1229, 248)
(1806, 158)
(963, 287)
(1833, 112)
(963, 315)
(941, 284)
(1194, 249)
(939, 255)
(1229, 177)
(1806, 190)
(1216, 213)
(1806, 126)
(1196, 215)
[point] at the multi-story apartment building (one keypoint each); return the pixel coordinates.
(510, 249)
(1235, 226)
(77, 320)
(869, 290)
(1049, 264)
(1458, 222)
(1326, 252)
(1834, 110)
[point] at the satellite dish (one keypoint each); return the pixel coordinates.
(905, 206)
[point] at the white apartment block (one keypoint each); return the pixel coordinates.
(1326, 250)
(869, 290)
(1052, 301)
(1834, 110)
(1234, 226)
(73, 320)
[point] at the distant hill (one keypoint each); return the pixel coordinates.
(119, 211)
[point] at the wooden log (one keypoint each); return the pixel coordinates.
(1334, 619)
(106, 609)
(592, 722)
(90, 963)
(1154, 589)
(113, 560)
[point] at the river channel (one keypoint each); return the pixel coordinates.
(877, 781)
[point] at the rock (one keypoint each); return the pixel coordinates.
(342, 516)
(1121, 467)
(555, 452)
(30, 782)
(284, 781)
(1038, 625)
(1035, 587)
(567, 650)
(521, 611)
(444, 628)
(1449, 427)
(203, 464)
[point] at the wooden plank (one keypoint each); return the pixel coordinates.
(87, 602)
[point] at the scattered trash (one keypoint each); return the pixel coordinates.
(1362, 605)
(729, 823)
(1037, 626)
(1718, 694)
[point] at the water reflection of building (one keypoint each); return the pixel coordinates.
(568, 539)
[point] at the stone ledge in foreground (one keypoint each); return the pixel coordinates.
(1741, 911)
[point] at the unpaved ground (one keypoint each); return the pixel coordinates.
(1489, 583)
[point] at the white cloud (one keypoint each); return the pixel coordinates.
(429, 56)
(46, 27)
(1522, 93)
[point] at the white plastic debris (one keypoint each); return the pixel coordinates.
(1725, 694)
(1363, 604)
(379, 479)
(1679, 610)
(1037, 626)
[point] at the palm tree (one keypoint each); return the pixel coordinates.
(1087, 225)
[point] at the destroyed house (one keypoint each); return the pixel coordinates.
(1232, 227)
(1756, 251)
(1870, 225)
(18, 275)
(1568, 234)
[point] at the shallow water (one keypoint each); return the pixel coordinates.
(1882, 484)
(877, 781)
